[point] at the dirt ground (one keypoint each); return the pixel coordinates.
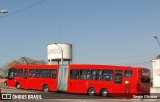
(2, 81)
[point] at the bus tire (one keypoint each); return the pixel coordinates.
(18, 86)
(5, 83)
(45, 88)
(104, 92)
(91, 92)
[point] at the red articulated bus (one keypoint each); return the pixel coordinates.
(104, 80)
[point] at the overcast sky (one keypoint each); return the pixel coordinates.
(118, 32)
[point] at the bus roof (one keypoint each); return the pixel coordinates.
(75, 66)
(34, 66)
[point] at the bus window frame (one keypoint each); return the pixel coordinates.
(46, 73)
(117, 80)
(55, 74)
(32, 75)
(74, 76)
(97, 75)
(128, 73)
(25, 73)
(19, 72)
(109, 75)
(38, 73)
(145, 80)
(85, 76)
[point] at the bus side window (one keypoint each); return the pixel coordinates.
(46, 73)
(38, 73)
(16, 72)
(74, 74)
(118, 78)
(95, 74)
(19, 72)
(53, 73)
(85, 74)
(25, 75)
(145, 80)
(107, 75)
(128, 73)
(32, 73)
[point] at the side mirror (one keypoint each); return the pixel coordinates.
(5, 83)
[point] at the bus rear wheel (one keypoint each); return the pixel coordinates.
(45, 88)
(18, 86)
(104, 92)
(91, 92)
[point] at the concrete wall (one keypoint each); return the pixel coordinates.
(154, 91)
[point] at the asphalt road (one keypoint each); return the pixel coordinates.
(22, 95)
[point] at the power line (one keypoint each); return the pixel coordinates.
(142, 60)
(119, 57)
(23, 9)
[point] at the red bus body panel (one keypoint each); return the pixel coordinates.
(34, 83)
(129, 85)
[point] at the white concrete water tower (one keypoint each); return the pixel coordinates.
(156, 71)
(59, 52)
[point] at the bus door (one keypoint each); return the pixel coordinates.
(31, 79)
(63, 78)
(127, 80)
(118, 83)
(73, 81)
(25, 79)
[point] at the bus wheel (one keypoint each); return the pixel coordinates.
(18, 86)
(104, 92)
(91, 92)
(5, 83)
(45, 88)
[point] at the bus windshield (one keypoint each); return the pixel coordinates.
(12, 72)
